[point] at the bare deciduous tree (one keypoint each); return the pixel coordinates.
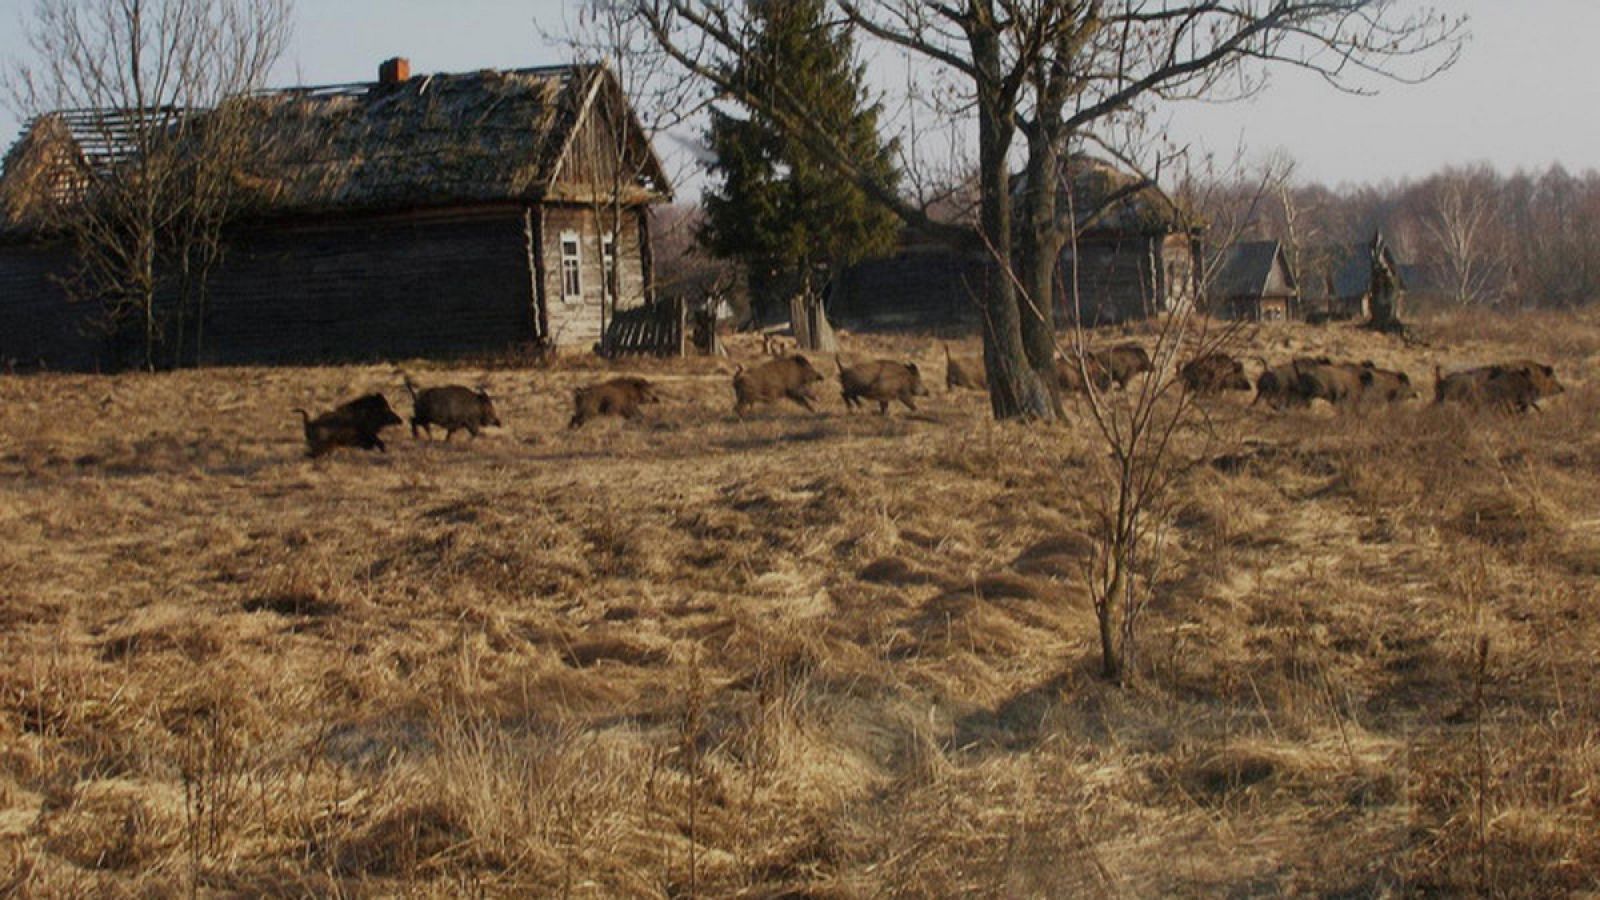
(143, 88)
(1462, 222)
(1128, 495)
(1054, 71)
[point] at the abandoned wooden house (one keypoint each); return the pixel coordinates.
(416, 216)
(1253, 282)
(1337, 283)
(1134, 257)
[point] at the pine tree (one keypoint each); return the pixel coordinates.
(787, 217)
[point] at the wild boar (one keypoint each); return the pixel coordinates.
(1336, 383)
(452, 408)
(964, 372)
(1070, 375)
(1213, 373)
(1518, 385)
(1280, 385)
(1459, 387)
(1515, 389)
(786, 376)
(353, 424)
(881, 380)
(1123, 362)
(616, 397)
(1385, 385)
(1541, 376)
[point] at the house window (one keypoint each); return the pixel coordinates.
(571, 268)
(608, 263)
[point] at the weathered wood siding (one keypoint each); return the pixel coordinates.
(1116, 280)
(38, 327)
(372, 288)
(1180, 271)
(1278, 280)
(576, 321)
(1125, 277)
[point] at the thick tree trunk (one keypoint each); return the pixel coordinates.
(1038, 262)
(1015, 389)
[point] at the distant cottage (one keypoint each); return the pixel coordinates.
(425, 216)
(1254, 283)
(1337, 283)
(1134, 257)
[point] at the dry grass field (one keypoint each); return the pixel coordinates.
(824, 655)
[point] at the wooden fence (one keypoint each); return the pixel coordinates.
(655, 329)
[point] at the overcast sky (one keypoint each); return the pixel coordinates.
(1525, 94)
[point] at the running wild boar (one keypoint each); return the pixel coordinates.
(353, 424)
(881, 380)
(452, 408)
(1213, 373)
(1123, 362)
(616, 397)
(787, 376)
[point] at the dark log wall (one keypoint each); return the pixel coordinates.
(379, 287)
(916, 287)
(372, 289)
(1121, 277)
(1115, 281)
(38, 327)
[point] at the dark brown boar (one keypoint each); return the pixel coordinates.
(786, 376)
(1070, 375)
(1515, 390)
(964, 372)
(1460, 387)
(616, 397)
(1541, 376)
(1337, 383)
(1123, 362)
(881, 380)
(353, 424)
(1518, 385)
(1385, 385)
(451, 407)
(1213, 373)
(1280, 385)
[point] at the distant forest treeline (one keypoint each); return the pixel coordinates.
(1470, 236)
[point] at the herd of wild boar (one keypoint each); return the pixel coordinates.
(1514, 386)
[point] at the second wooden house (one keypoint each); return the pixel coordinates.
(1253, 282)
(1135, 256)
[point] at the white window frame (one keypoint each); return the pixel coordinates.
(571, 267)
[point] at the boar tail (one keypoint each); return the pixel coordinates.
(305, 417)
(411, 387)
(838, 362)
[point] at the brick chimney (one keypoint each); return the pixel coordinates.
(394, 71)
